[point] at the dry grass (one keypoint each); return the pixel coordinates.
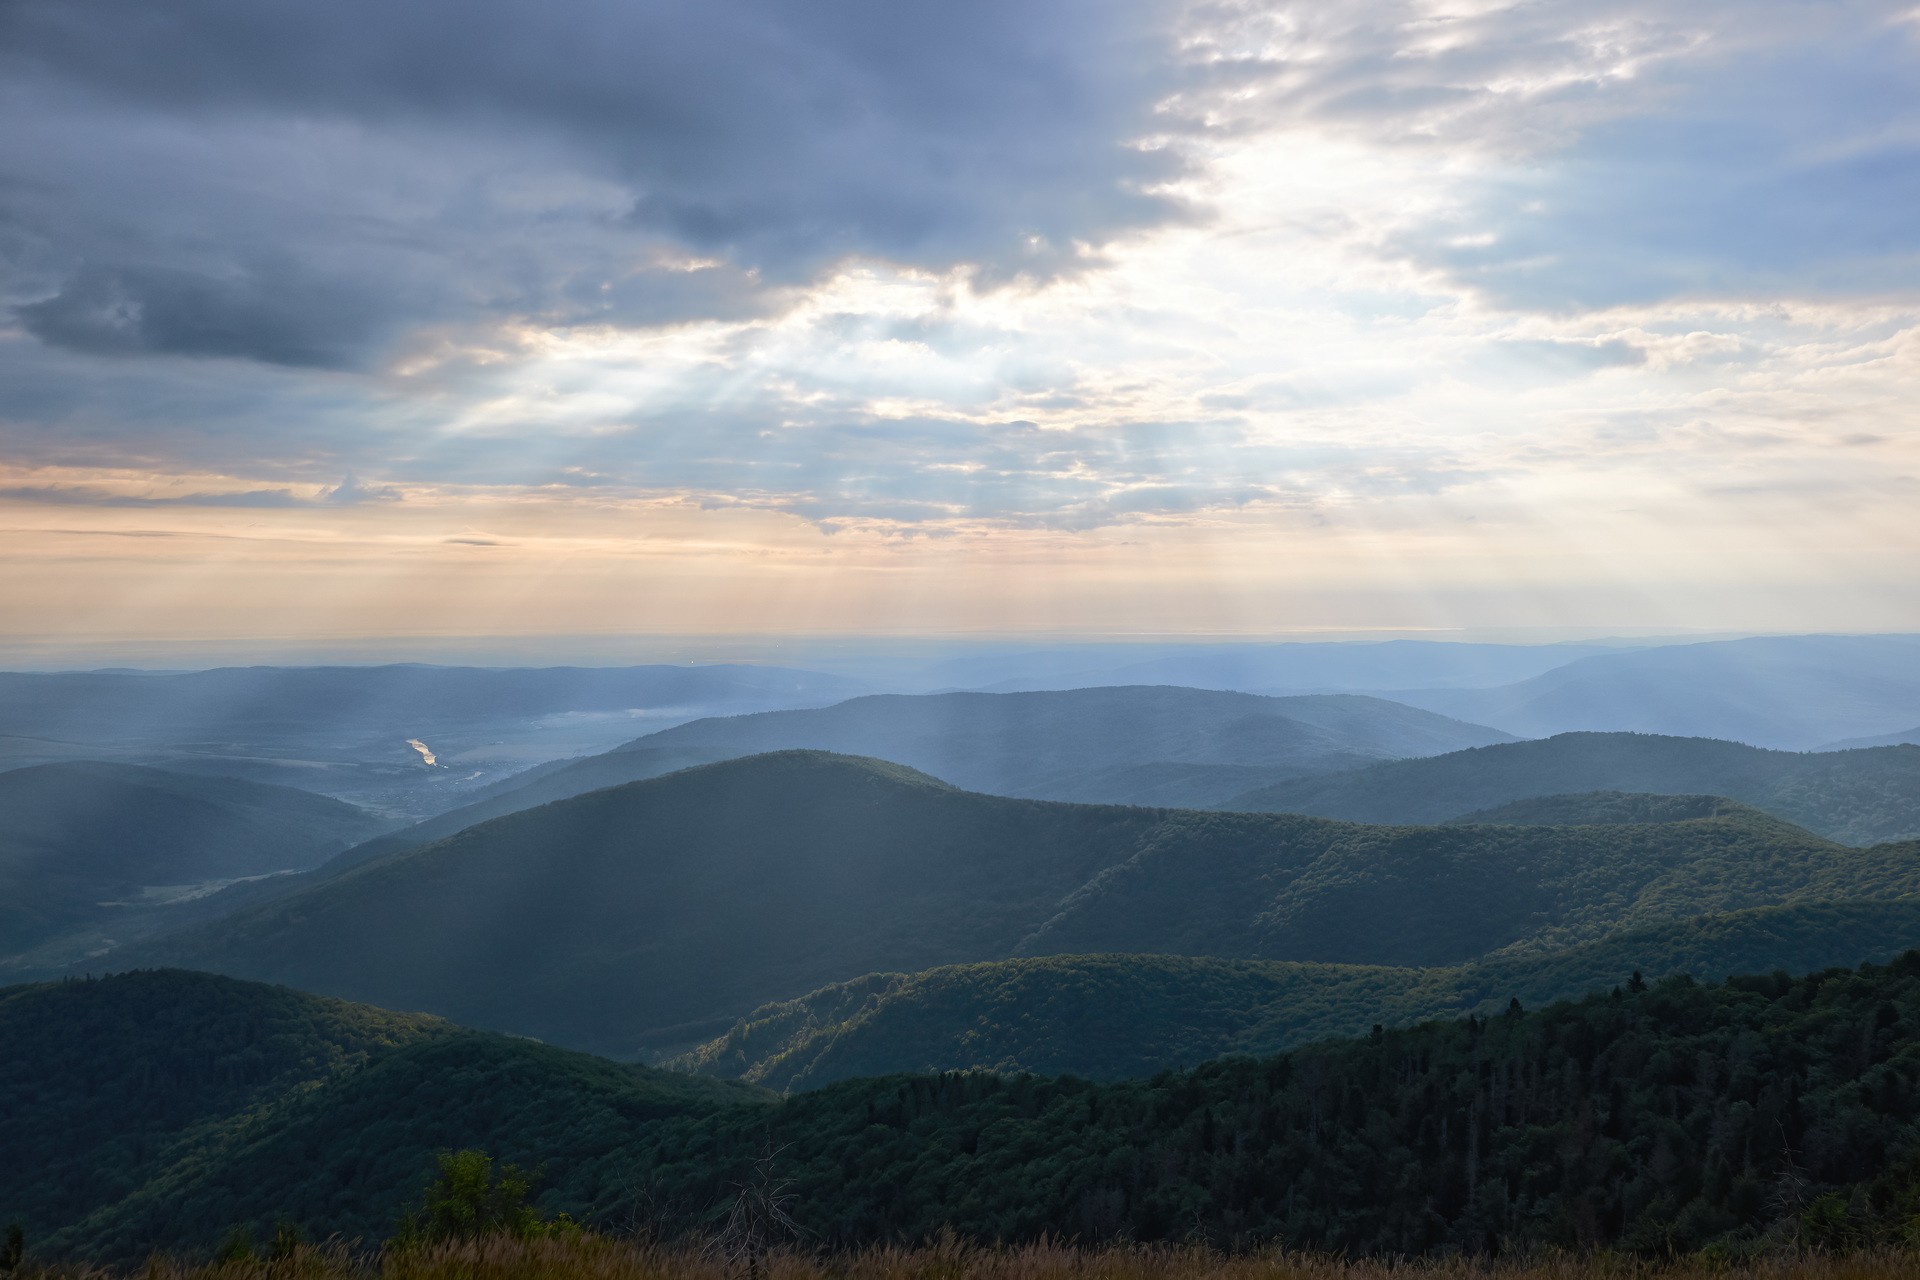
(592, 1258)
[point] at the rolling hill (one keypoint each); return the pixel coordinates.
(1857, 797)
(91, 852)
(1790, 692)
(652, 916)
(123, 1098)
(997, 737)
(1107, 1017)
(1126, 745)
(1645, 1121)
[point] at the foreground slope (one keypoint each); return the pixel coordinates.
(1108, 1017)
(90, 850)
(1138, 744)
(652, 916)
(1857, 797)
(107, 1083)
(1652, 1121)
(132, 1106)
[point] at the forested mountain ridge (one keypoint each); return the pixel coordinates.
(1605, 808)
(1651, 1121)
(1108, 1017)
(91, 850)
(651, 917)
(1858, 797)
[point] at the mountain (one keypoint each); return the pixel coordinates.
(559, 780)
(1767, 1112)
(1857, 797)
(1109, 745)
(91, 852)
(122, 1097)
(1792, 692)
(652, 916)
(1108, 1017)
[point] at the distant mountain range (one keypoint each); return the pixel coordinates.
(1252, 667)
(93, 853)
(344, 731)
(1793, 692)
(1904, 737)
(1143, 745)
(300, 703)
(1126, 745)
(1857, 797)
(653, 915)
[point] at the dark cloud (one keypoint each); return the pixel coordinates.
(271, 316)
(435, 162)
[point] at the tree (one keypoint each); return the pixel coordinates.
(470, 1200)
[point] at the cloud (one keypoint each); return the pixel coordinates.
(351, 493)
(1609, 157)
(270, 316)
(573, 162)
(751, 253)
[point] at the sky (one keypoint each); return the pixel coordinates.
(418, 319)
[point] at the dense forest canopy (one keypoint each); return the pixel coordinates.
(1649, 1118)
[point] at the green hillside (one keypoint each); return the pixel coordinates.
(91, 852)
(1113, 1016)
(1858, 797)
(122, 1097)
(107, 1084)
(651, 917)
(658, 912)
(1308, 889)
(1649, 1120)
